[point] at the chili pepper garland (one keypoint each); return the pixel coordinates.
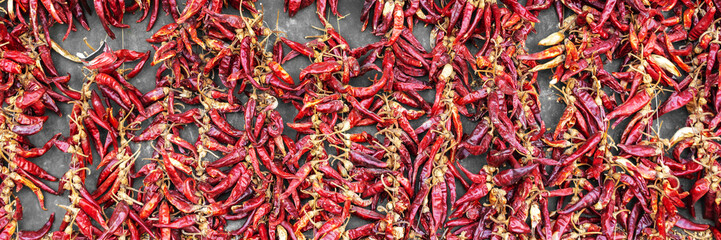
(571, 181)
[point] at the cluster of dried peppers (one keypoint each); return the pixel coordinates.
(400, 181)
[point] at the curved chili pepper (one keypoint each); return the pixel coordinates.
(34, 235)
(116, 220)
(228, 182)
(587, 200)
(92, 211)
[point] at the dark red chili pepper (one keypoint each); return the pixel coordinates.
(116, 220)
(34, 235)
(587, 200)
(511, 176)
(702, 24)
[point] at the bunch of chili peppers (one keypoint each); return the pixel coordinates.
(248, 179)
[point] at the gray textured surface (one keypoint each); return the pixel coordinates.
(296, 28)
